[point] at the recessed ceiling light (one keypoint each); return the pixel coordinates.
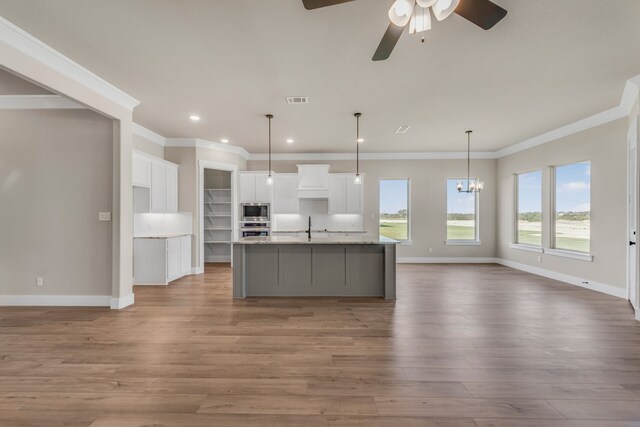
(194, 118)
(360, 139)
(224, 140)
(289, 141)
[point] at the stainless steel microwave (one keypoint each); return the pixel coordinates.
(255, 212)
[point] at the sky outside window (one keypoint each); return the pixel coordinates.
(461, 213)
(530, 208)
(573, 207)
(394, 208)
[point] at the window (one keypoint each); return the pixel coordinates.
(462, 218)
(529, 208)
(572, 227)
(394, 209)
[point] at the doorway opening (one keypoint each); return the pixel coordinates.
(217, 216)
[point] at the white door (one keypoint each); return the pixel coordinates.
(337, 194)
(172, 189)
(263, 190)
(158, 187)
(632, 173)
(247, 188)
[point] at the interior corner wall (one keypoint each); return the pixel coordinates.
(56, 174)
(606, 147)
(428, 210)
(142, 144)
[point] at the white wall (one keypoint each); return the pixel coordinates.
(56, 174)
(142, 144)
(428, 200)
(605, 147)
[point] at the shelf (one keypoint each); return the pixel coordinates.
(218, 203)
(218, 241)
(217, 189)
(217, 229)
(219, 216)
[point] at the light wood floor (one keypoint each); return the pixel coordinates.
(464, 345)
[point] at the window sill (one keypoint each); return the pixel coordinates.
(462, 242)
(569, 254)
(529, 248)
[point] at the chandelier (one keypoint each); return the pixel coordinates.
(473, 185)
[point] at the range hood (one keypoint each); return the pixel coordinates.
(313, 181)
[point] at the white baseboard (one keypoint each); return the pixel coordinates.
(56, 300)
(122, 302)
(573, 280)
(197, 270)
(445, 260)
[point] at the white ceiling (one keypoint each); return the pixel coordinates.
(548, 63)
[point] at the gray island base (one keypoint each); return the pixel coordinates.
(281, 266)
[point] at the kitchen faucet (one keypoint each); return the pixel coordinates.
(309, 229)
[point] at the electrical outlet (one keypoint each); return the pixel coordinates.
(539, 258)
(430, 250)
(104, 216)
(39, 281)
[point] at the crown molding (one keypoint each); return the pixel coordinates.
(435, 155)
(148, 134)
(24, 42)
(37, 102)
(201, 143)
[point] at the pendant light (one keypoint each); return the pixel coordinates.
(475, 185)
(269, 177)
(357, 179)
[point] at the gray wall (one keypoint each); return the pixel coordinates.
(55, 176)
(428, 200)
(149, 147)
(606, 147)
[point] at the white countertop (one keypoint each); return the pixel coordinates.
(290, 240)
(162, 236)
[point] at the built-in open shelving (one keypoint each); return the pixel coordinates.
(218, 227)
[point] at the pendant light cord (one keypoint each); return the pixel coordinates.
(468, 158)
(269, 116)
(357, 143)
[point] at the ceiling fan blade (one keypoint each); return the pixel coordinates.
(484, 13)
(388, 42)
(316, 4)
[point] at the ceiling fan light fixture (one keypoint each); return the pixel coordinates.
(401, 11)
(443, 8)
(426, 3)
(420, 20)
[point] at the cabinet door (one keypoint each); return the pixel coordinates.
(354, 195)
(173, 258)
(141, 174)
(185, 255)
(264, 191)
(337, 203)
(172, 189)
(158, 187)
(286, 194)
(247, 188)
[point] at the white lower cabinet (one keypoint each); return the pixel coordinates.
(158, 261)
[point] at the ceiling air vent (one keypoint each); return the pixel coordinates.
(297, 100)
(402, 129)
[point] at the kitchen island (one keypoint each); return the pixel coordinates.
(281, 266)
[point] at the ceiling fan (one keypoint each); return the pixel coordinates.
(484, 13)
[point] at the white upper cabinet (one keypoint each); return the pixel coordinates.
(286, 194)
(161, 177)
(345, 196)
(158, 187)
(141, 176)
(171, 202)
(337, 194)
(254, 187)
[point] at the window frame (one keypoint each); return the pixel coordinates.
(553, 249)
(515, 243)
(408, 241)
(462, 242)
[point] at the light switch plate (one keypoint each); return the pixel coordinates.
(39, 281)
(104, 216)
